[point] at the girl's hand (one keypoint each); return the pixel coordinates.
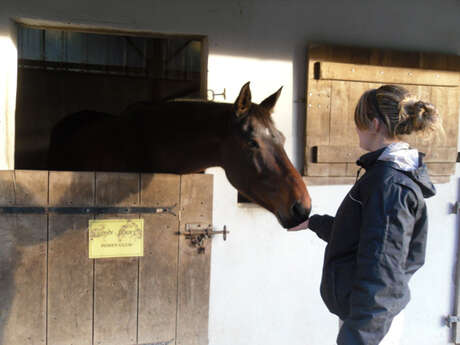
(301, 226)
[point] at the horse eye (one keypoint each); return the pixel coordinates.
(253, 144)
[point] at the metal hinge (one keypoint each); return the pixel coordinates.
(198, 234)
(451, 319)
(455, 208)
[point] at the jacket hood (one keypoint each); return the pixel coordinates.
(421, 177)
(403, 158)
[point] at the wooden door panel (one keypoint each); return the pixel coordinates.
(194, 268)
(70, 271)
(116, 279)
(158, 266)
(23, 257)
(52, 293)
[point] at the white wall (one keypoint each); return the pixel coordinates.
(8, 81)
(265, 281)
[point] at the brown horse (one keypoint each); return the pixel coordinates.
(187, 137)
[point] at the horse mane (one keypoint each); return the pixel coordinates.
(256, 111)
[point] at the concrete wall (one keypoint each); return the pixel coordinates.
(265, 281)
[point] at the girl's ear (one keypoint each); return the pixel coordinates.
(375, 125)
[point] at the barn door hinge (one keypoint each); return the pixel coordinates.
(198, 235)
(451, 319)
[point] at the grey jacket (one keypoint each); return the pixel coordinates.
(376, 242)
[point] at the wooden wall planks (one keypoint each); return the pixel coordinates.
(334, 124)
(447, 103)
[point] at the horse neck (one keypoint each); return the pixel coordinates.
(206, 128)
(213, 127)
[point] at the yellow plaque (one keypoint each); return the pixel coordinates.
(114, 238)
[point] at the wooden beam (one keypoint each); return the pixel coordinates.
(349, 154)
(385, 75)
(441, 169)
(326, 169)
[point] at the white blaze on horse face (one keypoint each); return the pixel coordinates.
(275, 135)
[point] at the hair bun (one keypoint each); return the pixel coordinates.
(401, 112)
(415, 116)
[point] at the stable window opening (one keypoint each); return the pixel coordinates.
(61, 72)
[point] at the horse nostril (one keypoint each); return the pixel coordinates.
(299, 211)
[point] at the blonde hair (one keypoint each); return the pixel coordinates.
(401, 112)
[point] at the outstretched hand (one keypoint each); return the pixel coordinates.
(301, 226)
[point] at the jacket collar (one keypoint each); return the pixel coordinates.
(367, 160)
(419, 176)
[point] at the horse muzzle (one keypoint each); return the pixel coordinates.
(298, 213)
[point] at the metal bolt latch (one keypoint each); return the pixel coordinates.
(451, 319)
(198, 234)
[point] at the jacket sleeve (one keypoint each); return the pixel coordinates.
(321, 225)
(416, 257)
(379, 289)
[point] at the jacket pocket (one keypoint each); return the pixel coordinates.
(328, 288)
(344, 273)
(336, 285)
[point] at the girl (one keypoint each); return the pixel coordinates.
(377, 239)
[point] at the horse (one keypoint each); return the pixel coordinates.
(184, 137)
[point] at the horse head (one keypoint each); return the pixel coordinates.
(256, 163)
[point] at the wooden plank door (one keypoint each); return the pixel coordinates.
(53, 294)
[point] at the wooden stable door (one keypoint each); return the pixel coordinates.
(52, 293)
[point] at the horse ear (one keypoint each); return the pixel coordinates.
(270, 102)
(243, 102)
